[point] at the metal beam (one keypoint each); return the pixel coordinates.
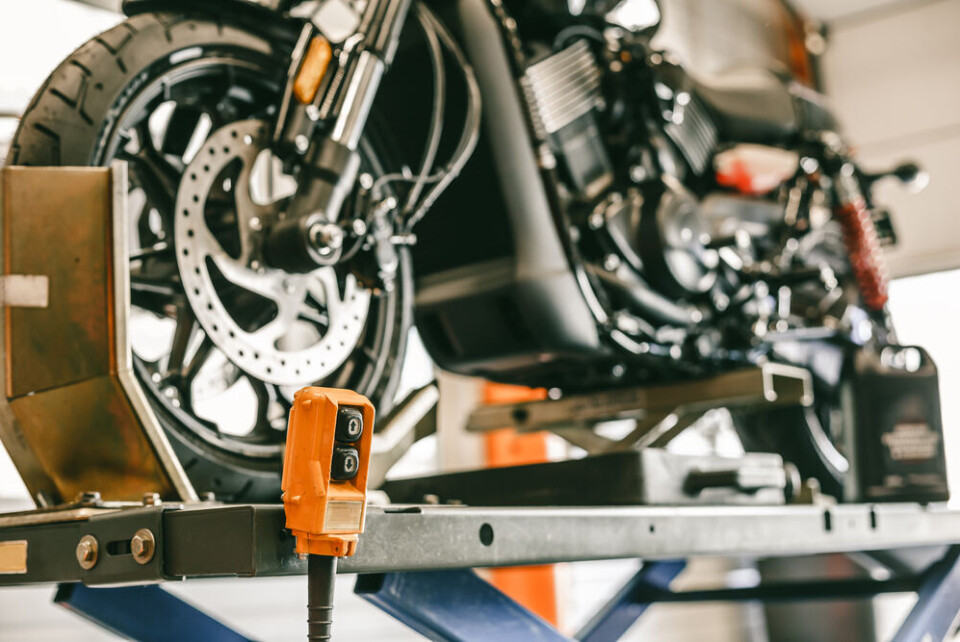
(250, 540)
(770, 384)
(449, 537)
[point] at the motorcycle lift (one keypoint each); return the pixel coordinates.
(414, 560)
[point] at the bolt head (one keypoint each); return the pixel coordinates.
(87, 551)
(302, 143)
(142, 546)
(88, 497)
(327, 238)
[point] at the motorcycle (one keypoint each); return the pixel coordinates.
(536, 189)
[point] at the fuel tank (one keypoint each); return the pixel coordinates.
(576, 8)
(636, 15)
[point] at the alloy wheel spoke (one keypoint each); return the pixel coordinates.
(309, 314)
(186, 325)
(198, 360)
(180, 129)
(156, 250)
(262, 430)
(155, 287)
(158, 178)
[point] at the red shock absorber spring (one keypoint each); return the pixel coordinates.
(864, 251)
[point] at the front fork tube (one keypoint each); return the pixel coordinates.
(330, 165)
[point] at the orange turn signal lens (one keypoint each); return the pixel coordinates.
(313, 69)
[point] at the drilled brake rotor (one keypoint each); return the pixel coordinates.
(302, 327)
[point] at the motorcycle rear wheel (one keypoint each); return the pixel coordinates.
(86, 114)
(811, 438)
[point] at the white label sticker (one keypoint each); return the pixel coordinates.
(912, 442)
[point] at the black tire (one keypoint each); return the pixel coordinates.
(70, 117)
(790, 433)
(72, 120)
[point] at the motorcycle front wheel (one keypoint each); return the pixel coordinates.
(161, 91)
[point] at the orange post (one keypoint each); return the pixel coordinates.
(534, 587)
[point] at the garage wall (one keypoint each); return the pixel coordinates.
(892, 71)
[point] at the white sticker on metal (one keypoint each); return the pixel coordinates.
(24, 291)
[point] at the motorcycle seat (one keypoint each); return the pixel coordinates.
(755, 105)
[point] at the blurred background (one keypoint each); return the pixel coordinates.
(891, 69)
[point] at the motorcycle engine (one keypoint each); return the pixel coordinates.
(691, 275)
(645, 238)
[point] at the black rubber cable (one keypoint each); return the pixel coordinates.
(471, 131)
(321, 576)
(436, 121)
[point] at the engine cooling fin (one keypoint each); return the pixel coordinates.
(562, 88)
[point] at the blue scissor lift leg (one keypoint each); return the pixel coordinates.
(454, 606)
(144, 613)
(938, 602)
(459, 606)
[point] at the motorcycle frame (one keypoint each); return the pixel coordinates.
(530, 313)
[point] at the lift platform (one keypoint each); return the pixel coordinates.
(415, 560)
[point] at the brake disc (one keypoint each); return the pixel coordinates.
(281, 350)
